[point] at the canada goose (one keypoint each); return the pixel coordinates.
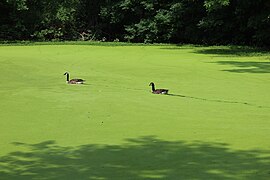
(73, 81)
(158, 91)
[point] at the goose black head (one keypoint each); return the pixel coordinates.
(151, 83)
(66, 73)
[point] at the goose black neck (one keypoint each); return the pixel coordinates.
(153, 87)
(67, 77)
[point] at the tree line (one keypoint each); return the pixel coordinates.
(242, 22)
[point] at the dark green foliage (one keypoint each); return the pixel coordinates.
(11, 25)
(245, 22)
(237, 21)
(56, 19)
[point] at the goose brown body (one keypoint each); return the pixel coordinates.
(158, 91)
(73, 81)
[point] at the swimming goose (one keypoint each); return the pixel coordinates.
(158, 91)
(73, 81)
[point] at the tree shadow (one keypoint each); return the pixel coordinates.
(244, 51)
(247, 67)
(216, 100)
(234, 51)
(141, 158)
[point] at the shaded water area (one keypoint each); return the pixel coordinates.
(141, 158)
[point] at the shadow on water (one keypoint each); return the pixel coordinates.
(247, 67)
(215, 100)
(234, 51)
(141, 158)
(222, 50)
